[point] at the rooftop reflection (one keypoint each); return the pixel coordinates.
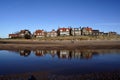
(59, 61)
(65, 54)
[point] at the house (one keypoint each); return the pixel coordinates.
(39, 33)
(76, 31)
(64, 31)
(53, 33)
(24, 33)
(105, 34)
(101, 33)
(112, 33)
(95, 32)
(13, 35)
(86, 31)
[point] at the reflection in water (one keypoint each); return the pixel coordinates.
(59, 61)
(39, 53)
(25, 52)
(61, 54)
(66, 54)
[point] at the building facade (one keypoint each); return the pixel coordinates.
(53, 33)
(64, 31)
(86, 31)
(95, 33)
(13, 35)
(22, 34)
(25, 34)
(39, 33)
(76, 32)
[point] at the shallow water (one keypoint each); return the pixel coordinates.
(59, 61)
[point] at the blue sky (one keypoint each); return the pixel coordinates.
(16, 15)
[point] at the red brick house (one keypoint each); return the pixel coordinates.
(64, 31)
(13, 35)
(22, 34)
(39, 33)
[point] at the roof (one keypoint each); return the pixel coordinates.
(23, 31)
(13, 35)
(64, 29)
(39, 31)
(95, 30)
(87, 28)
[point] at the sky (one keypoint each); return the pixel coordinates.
(16, 15)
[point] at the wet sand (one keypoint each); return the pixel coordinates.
(115, 75)
(34, 44)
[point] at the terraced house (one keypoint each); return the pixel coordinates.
(95, 32)
(76, 31)
(64, 31)
(13, 35)
(86, 31)
(39, 33)
(52, 33)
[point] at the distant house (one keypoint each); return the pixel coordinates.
(53, 33)
(13, 35)
(25, 34)
(64, 31)
(95, 32)
(112, 33)
(101, 33)
(39, 33)
(22, 34)
(86, 31)
(76, 31)
(105, 34)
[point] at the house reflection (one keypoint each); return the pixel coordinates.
(61, 54)
(39, 52)
(74, 54)
(64, 54)
(25, 52)
(86, 54)
(53, 53)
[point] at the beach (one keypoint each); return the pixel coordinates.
(66, 44)
(58, 45)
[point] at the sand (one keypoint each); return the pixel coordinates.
(34, 44)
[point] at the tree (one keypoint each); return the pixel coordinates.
(27, 36)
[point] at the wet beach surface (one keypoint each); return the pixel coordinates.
(85, 44)
(67, 54)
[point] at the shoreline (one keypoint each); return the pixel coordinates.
(84, 44)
